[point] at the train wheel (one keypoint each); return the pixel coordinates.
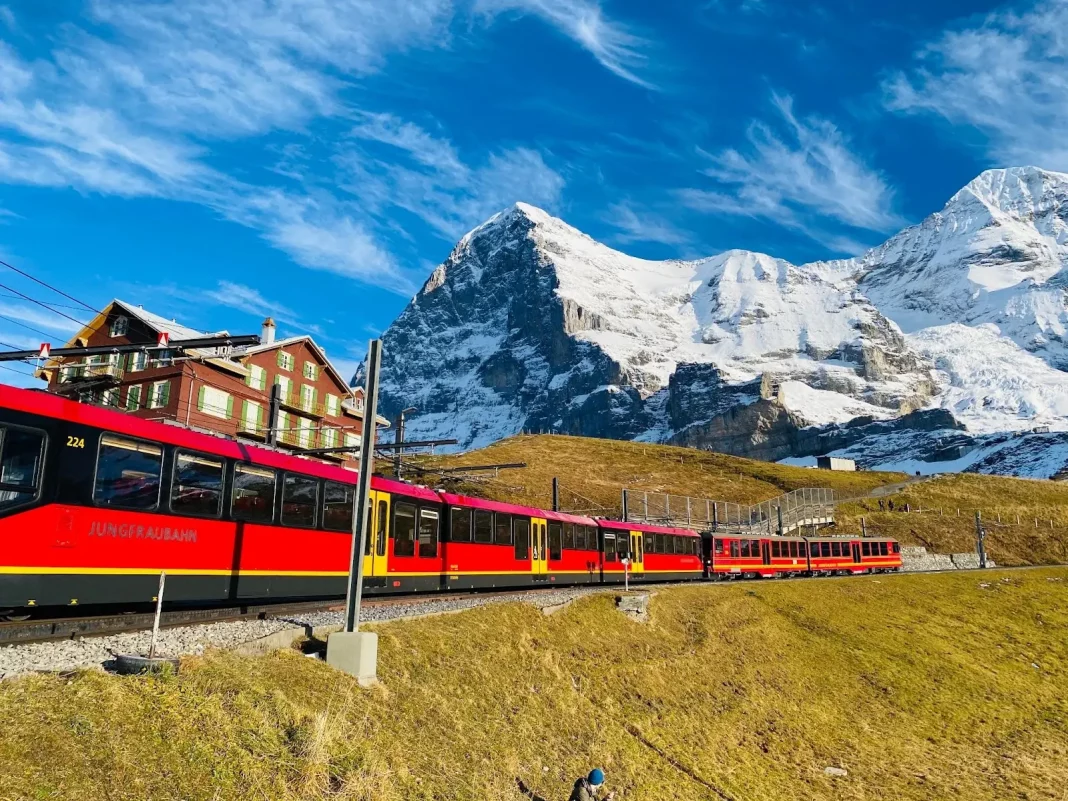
(11, 616)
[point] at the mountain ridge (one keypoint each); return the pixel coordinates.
(532, 324)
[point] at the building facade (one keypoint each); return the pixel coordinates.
(223, 393)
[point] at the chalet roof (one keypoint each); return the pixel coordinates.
(158, 323)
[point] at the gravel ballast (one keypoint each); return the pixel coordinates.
(99, 652)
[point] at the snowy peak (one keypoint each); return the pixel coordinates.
(1019, 191)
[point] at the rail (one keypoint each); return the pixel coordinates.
(802, 508)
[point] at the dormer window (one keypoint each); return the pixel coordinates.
(119, 326)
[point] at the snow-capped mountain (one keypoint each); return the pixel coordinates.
(529, 324)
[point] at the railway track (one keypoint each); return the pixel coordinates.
(72, 628)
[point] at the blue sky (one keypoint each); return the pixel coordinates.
(219, 160)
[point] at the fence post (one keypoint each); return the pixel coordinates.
(646, 501)
(863, 528)
(556, 494)
(687, 510)
(980, 537)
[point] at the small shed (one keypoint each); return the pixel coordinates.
(835, 463)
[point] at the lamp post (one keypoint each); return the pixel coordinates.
(400, 440)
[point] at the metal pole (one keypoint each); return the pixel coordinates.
(980, 535)
(779, 508)
(361, 520)
(273, 406)
(159, 609)
(863, 528)
(624, 502)
(556, 495)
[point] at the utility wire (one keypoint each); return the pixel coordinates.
(48, 286)
(43, 305)
(27, 327)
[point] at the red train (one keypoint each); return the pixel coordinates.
(95, 503)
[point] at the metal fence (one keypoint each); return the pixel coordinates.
(809, 506)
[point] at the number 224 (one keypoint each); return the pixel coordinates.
(75, 442)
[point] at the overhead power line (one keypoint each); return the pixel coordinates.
(47, 285)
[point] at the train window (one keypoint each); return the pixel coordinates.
(745, 548)
(897, 547)
(460, 530)
(836, 549)
(428, 533)
(649, 542)
(825, 549)
(609, 547)
(622, 546)
(718, 547)
(522, 537)
(503, 529)
(735, 548)
(865, 549)
(569, 536)
(380, 541)
(795, 549)
(661, 546)
(128, 473)
(483, 526)
(20, 465)
(196, 488)
(338, 502)
(300, 497)
(814, 549)
(253, 494)
(556, 535)
(775, 553)
(882, 549)
(581, 538)
(403, 529)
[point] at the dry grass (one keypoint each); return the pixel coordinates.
(935, 522)
(922, 687)
(597, 469)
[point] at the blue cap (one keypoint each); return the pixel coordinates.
(596, 777)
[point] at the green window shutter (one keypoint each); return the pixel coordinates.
(249, 380)
(165, 395)
(229, 407)
(200, 397)
(244, 412)
(278, 358)
(261, 414)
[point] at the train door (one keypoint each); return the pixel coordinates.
(856, 553)
(765, 552)
(539, 554)
(375, 550)
(637, 553)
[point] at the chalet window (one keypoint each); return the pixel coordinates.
(110, 397)
(159, 394)
(352, 440)
(483, 526)
(215, 403)
(403, 529)
(503, 529)
(253, 494)
(128, 473)
(133, 398)
(257, 377)
(305, 432)
(250, 416)
(460, 530)
(307, 397)
(285, 387)
(137, 361)
(338, 504)
(428, 533)
(21, 457)
(119, 326)
(285, 360)
(333, 405)
(311, 371)
(329, 437)
(197, 488)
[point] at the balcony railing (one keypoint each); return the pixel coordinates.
(293, 400)
(83, 371)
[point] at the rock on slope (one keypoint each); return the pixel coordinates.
(531, 324)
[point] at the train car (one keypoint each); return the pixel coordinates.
(95, 503)
(493, 544)
(738, 556)
(654, 553)
(880, 554)
(829, 556)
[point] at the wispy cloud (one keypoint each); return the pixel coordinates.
(642, 225)
(611, 43)
(1006, 76)
(425, 175)
(798, 172)
(38, 318)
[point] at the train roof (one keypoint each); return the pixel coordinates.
(46, 404)
(619, 525)
(515, 509)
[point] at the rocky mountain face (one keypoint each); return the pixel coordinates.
(948, 335)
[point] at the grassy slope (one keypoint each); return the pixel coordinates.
(598, 468)
(923, 687)
(1008, 542)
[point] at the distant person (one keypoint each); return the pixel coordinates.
(891, 505)
(882, 505)
(587, 788)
